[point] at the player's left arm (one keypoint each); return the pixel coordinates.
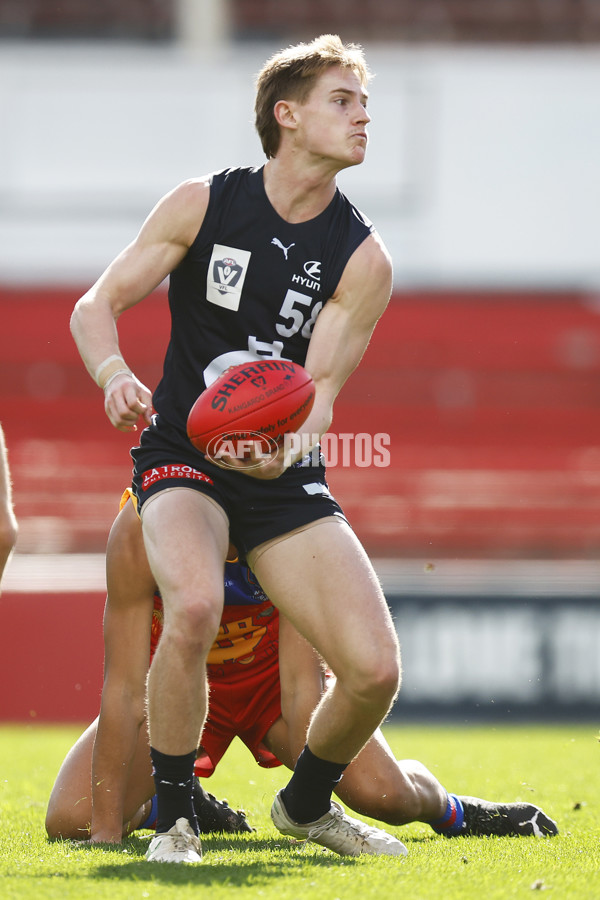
(344, 327)
(340, 337)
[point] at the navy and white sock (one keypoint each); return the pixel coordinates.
(307, 796)
(174, 782)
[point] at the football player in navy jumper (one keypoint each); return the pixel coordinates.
(264, 263)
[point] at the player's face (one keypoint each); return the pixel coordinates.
(333, 121)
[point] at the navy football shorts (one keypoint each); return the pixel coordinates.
(257, 510)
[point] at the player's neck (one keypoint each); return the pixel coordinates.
(298, 194)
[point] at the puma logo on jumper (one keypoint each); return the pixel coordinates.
(286, 250)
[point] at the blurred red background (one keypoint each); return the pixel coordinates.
(490, 402)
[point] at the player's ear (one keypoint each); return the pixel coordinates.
(284, 112)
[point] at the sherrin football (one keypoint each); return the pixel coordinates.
(259, 401)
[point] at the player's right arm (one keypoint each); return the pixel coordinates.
(127, 623)
(8, 521)
(160, 246)
(301, 679)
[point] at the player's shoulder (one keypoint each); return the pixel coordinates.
(182, 211)
(193, 190)
(198, 187)
(229, 182)
(368, 274)
(212, 187)
(358, 223)
(179, 214)
(371, 258)
(369, 247)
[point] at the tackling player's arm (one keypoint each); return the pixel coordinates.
(127, 623)
(161, 244)
(301, 679)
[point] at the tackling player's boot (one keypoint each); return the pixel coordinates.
(216, 815)
(512, 819)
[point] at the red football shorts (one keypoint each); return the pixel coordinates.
(242, 704)
(243, 678)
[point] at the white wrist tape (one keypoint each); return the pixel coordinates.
(116, 374)
(111, 366)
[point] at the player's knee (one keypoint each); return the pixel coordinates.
(385, 676)
(53, 828)
(380, 683)
(192, 624)
(387, 685)
(50, 825)
(61, 827)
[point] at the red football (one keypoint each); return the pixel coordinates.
(260, 401)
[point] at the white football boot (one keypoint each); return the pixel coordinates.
(337, 831)
(178, 845)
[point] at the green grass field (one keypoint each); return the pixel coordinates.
(556, 767)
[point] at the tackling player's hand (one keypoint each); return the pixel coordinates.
(125, 400)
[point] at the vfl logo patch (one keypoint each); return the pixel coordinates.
(226, 274)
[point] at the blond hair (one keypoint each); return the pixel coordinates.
(291, 75)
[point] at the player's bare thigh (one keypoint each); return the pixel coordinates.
(258, 551)
(186, 535)
(322, 579)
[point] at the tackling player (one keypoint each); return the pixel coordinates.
(246, 700)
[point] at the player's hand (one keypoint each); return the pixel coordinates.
(104, 838)
(125, 400)
(108, 831)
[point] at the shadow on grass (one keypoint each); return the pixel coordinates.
(231, 867)
(239, 862)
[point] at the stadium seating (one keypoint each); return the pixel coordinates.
(441, 21)
(490, 403)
